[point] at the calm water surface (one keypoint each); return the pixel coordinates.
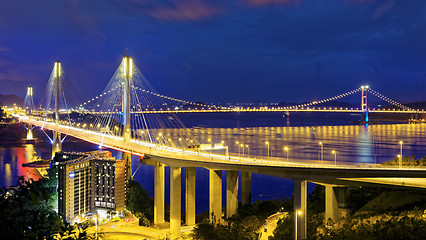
(301, 133)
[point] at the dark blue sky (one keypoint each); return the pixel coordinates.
(220, 51)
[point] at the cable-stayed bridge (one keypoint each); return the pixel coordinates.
(130, 116)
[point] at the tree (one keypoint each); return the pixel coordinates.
(138, 200)
(25, 212)
(237, 231)
(143, 221)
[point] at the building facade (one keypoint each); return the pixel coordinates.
(88, 182)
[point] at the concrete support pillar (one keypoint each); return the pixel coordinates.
(175, 202)
(30, 132)
(331, 208)
(335, 202)
(190, 196)
(215, 196)
(231, 193)
(57, 143)
(159, 183)
(300, 207)
(245, 188)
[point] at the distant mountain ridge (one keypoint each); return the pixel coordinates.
(9, 100)
(417, 105)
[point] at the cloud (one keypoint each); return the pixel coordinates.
(83, 22)
(185, 11)
(172, 10)
(383, 9)
(257, 3)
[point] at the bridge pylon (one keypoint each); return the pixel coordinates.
(29, 105)
(57, 143)
(127, 74)
(364, 107)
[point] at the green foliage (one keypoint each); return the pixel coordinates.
(139, 201)
(261, 209)
(143, 220)
(359, 196)
(76, 232)
(409, 228)
(237, 231)
(284, 229)
(11, 133)
(317, 200)
(27, 212)
(406, 161)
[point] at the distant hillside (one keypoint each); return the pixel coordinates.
(9, 100)
(417, 105)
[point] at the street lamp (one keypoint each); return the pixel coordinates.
(286, 149)
(248, 151)
(400, 158)
(267, 143)
(239, 150)
(322, 151)
(242, 146)
(335, 157)
(298, 213)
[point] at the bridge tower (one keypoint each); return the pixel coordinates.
(127, 74)
(57, 143)
(29, 105)
(364, 106)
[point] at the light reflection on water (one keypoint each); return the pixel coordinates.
(11, 160)
(353, 143)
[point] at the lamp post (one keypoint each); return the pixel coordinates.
(239, 150)
(242, 146)
(211, 146)
(322, 151)
(267, 143)
(248, 151)
(286, 149)
(298, 213)
(96, 224)
(400, 158)
(335, 157)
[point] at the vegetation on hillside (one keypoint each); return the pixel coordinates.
(27, 212)
(406, 161)
(11, 133)
(140, 203)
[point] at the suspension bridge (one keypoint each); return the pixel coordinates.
(130, 116)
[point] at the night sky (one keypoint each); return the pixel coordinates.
(220, 51)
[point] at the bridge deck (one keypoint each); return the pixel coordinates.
(295, 169)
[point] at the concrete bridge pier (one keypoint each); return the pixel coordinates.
(231, 193)
(215, 196)
(245, 188)
(159, 185)
(175, 201)
(335, 202)
(190, 196)
(300, 209)
(30, 132)
(57, 143)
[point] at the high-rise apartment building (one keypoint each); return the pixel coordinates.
(88, 182)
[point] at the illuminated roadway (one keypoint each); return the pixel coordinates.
(265, 109)
(280, 167)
